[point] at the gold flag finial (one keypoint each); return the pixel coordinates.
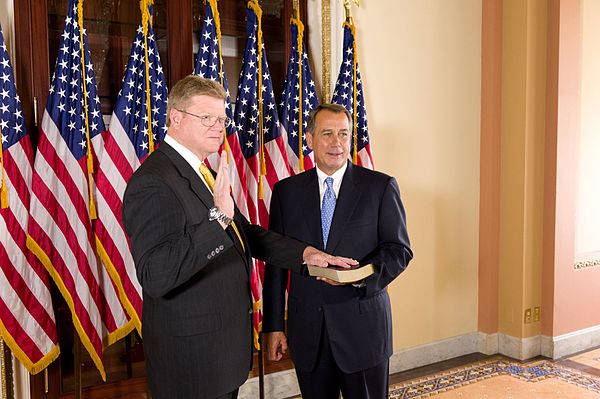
(347, 4)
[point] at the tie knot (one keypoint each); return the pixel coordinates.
(329, 182)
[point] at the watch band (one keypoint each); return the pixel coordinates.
(215, 213)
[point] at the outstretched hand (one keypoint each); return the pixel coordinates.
(313, 256)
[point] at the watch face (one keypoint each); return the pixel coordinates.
(212, 213)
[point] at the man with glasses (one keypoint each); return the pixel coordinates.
(192, 250)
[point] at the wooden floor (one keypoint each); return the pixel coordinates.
(587, 363)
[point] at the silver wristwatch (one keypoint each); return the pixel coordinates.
(215, 214)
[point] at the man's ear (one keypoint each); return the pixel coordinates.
(309, 140)
(175, 117)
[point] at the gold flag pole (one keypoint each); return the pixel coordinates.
(350, 23)
(296, 20)
(90, 157)
(217, 18)
(262, 172)
(3, 189)
(6, 371)
(326, 49)
(146, 24)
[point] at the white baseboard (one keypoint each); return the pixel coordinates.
(284, 384)
(519, 348)
(422, 355)
(570, 343)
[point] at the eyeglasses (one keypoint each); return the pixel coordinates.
(209, 120)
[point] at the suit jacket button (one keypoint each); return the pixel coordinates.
(250, 311)
(320, 309)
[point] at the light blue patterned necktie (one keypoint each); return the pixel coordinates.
(327, 209)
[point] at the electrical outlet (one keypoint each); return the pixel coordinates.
(536, 313)
(527, 315)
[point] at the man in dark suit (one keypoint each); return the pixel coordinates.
(192, 250)
(340, 336)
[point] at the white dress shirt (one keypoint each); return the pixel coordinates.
(337, 177)
(188, 155)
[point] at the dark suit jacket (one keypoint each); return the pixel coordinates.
(197, 312)
(368, 225)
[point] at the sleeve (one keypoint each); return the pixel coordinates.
(166, 250)
(276, 279)
(271, 246)
(393, 252)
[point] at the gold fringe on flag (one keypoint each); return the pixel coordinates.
(217, 21)
(261, 134)
(350, 24)
(3, 189)
(300, 25)
(146, 22)
(90, 157)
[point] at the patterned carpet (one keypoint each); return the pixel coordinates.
(473, 373)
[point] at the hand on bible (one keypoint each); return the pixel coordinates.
(313, 256)
(222, 188)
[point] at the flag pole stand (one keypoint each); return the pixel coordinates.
(6, 370)
(261, 368)
(77, 366)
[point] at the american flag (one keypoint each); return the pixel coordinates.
(349, 93)
(140, 114)
(209, 64)
(258, 127)
(297, 101)
(27, 322)
(60, 225)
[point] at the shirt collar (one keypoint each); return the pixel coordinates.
(337, 177)
(188, 155)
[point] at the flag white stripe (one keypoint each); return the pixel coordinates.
(106, 164)
(16, 206)
(123, 142)
(20, 158)
(279, 164)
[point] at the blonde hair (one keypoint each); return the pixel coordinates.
(191, 86)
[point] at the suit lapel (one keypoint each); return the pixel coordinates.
(189, 174)
(310, 207)
(198, 187)
(344, 207)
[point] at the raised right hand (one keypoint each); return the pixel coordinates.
(222, 188)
